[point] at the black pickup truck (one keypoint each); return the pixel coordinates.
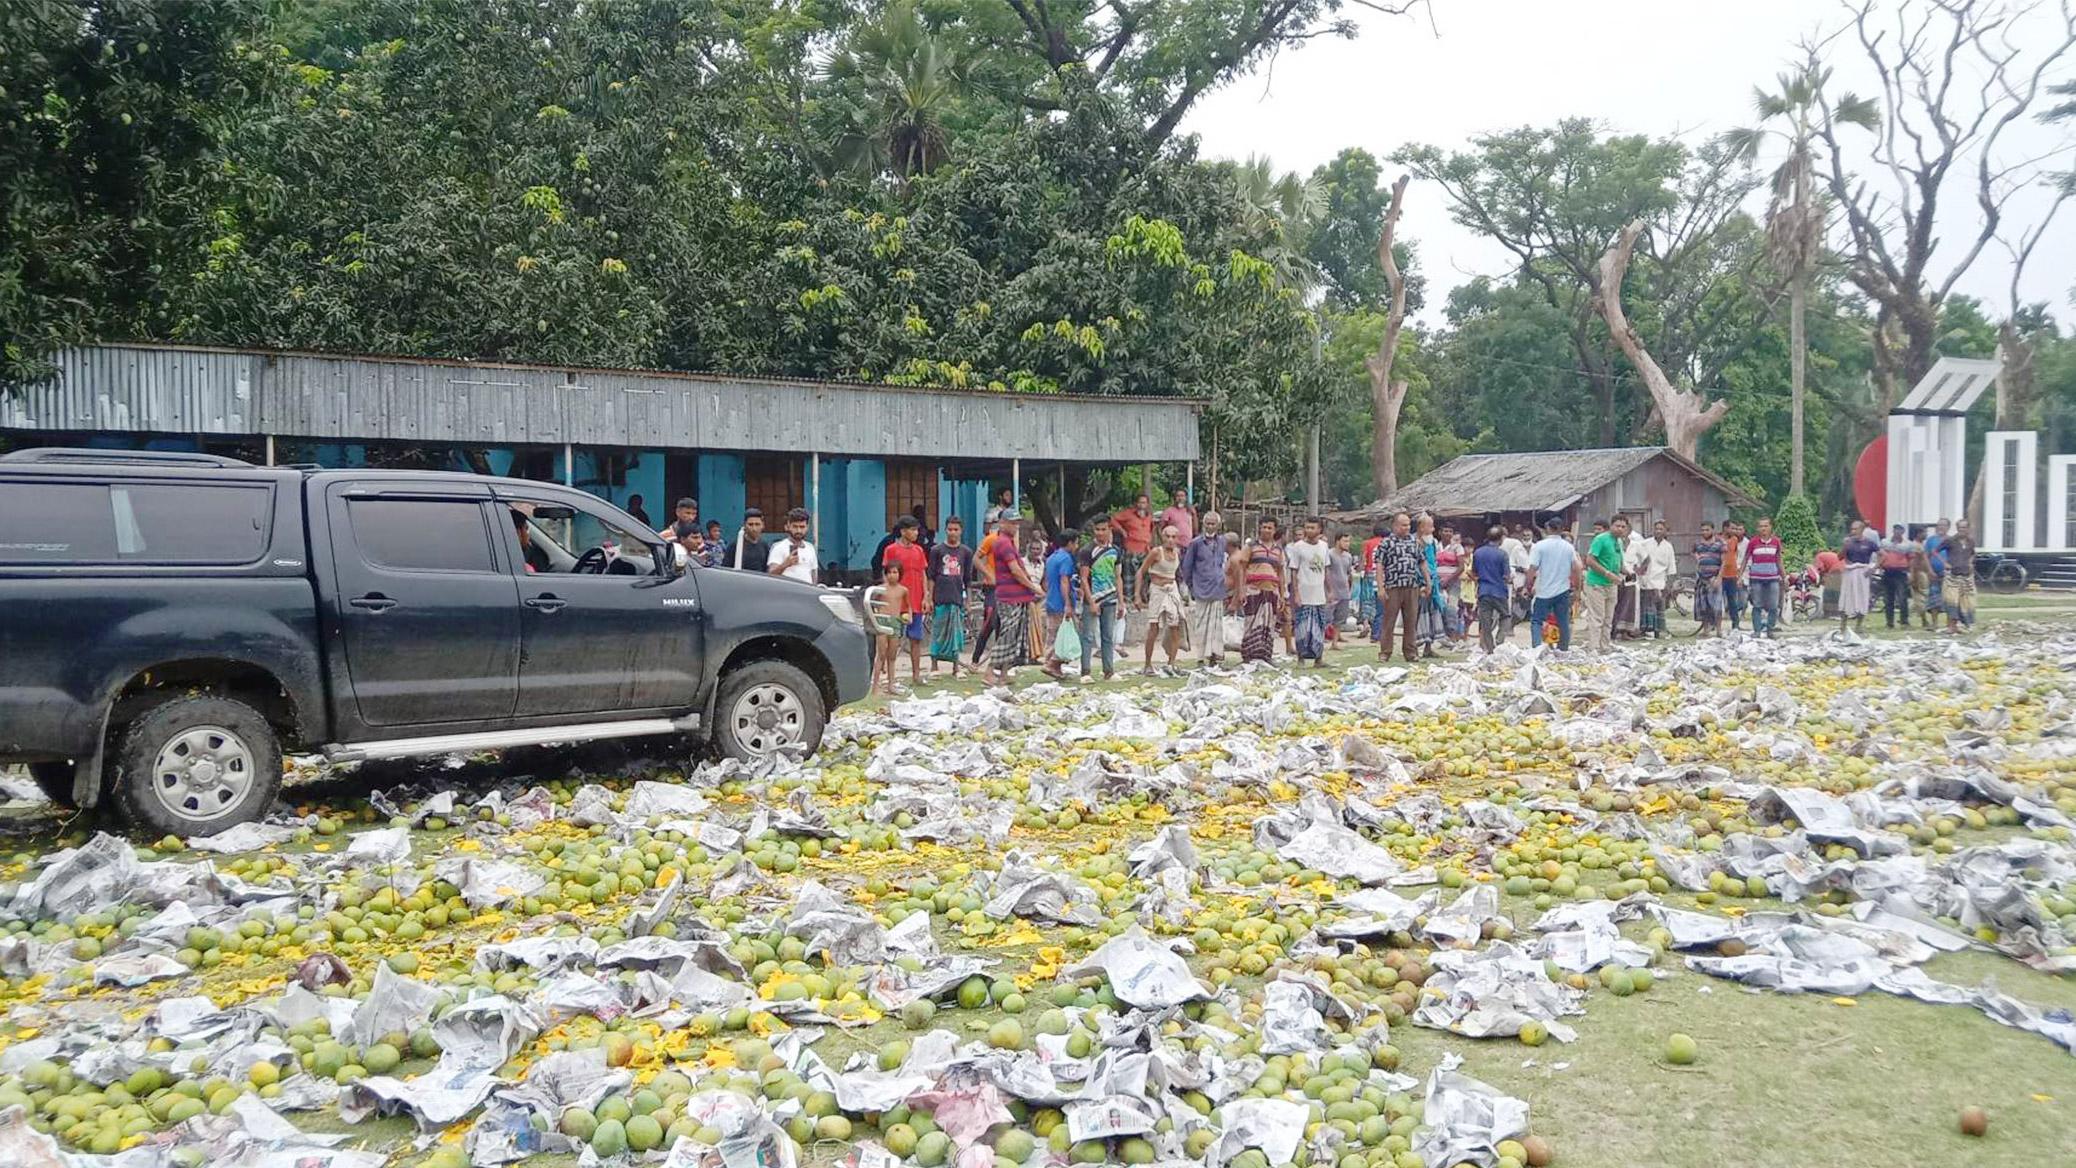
(170, 624)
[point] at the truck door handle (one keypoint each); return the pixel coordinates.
(546, 602)
(373, 602)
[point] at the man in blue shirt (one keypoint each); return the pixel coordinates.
(1495, 589)
(1553, 572)
(1202, 574)
(1061, 575)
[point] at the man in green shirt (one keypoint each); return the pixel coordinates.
(1603, 575)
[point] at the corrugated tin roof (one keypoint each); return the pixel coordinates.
(188, 391)
(1549, 480)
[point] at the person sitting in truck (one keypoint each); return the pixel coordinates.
(536, 556)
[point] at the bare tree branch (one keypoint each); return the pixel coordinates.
(1388, 396)
(1686, 414)
(1955, 75)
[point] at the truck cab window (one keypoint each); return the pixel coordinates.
(559, 539)
(422, 535)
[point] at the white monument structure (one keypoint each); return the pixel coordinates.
(1927, 476)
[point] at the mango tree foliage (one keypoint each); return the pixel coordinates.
(104, 109)
(814, 189)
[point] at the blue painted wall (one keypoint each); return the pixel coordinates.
(830, 511)
(854, 526)
(967, 499)
(723, 491)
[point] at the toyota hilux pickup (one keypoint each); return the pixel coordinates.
(172, 624)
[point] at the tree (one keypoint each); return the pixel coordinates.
(1554, 197)
(106, 111)
(1342, 241)
(1387, 393)
(1280, 209)
(1794, 216)
(1161, 58)
(1686, 415)
(1955, 75)
(906, 81)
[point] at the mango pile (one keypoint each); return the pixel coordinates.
(1160, 924)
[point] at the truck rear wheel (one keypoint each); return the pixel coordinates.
(196, 765)
(767, 706)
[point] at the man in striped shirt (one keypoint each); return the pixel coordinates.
(1762, 566)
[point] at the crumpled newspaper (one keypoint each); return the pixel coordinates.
(1341, 853)
(395, 1004)
(476, 1038)
(1295, 1009)
(488, 883)
(834, 926)
(1023, 889)
(1142, 972)
(1275, 1126)
(245, 837)
(1581, 936)
(1169, 848)
(749, 1138)
(1464, 1119)
(98, 873)
(1493, 992)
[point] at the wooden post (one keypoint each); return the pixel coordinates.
(1016, 486)
(1312, 470)
(569, 465)
(270, 450)
(814, 494)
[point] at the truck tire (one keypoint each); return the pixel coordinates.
(55, 778)
(195, 766)
(764, 706)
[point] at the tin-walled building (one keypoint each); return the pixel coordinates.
(855, 455)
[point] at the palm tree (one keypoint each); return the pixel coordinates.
(1794, 215)
(1280, 208)
(905, 82)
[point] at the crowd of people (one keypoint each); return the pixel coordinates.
(1414, 586)
(1933, 568)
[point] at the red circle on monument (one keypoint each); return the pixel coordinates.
(1871, 483)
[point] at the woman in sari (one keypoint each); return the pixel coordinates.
(1262, 609)
(1434, 626)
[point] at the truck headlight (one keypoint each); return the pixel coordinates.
(841, 608)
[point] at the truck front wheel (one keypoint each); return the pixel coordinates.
(196, 765)
(767, 706)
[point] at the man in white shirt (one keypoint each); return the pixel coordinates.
(793, 557)
(1515, 545)
(1308, 558)
(1554, 573)
(1655, 564)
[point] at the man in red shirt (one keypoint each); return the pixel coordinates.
(907, 551)
(1135, 527)
(1182, 518)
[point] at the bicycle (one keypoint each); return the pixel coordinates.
(2003, 575)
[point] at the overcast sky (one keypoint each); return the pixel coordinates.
(1684, 67)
